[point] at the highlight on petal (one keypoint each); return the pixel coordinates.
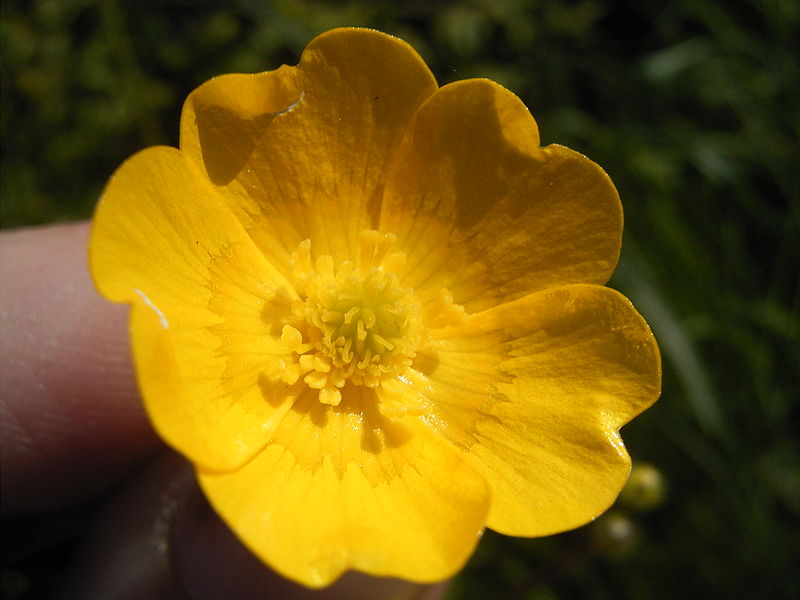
(344, 488)
(163, 241)
(534, 393)
(482, 210)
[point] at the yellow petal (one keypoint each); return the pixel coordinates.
(535, 391)
(313, 156)
(481, 210)
(224, 119)
(342, 488)
(164, 241)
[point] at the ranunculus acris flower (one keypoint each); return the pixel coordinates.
(371, 312)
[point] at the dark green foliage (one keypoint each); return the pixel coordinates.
(692, 108)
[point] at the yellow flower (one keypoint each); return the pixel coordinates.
(370, 311)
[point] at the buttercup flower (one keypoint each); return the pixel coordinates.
(371, 312)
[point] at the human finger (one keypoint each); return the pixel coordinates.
(70, 417)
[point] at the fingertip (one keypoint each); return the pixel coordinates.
(71, 417)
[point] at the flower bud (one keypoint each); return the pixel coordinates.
(644, 490)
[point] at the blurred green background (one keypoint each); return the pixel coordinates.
(693, 108)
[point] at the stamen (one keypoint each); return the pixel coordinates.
(354, 324)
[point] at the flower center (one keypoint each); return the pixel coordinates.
(353, 322)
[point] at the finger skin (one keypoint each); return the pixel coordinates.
(71, 421)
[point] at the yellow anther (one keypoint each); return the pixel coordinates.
(382, 342)
(330, 395)
(347, 355)
(348, 316)
(291, 338)
(306, 362)
(322, 364)
(316, 380)
(352, 323)
(361, 331)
